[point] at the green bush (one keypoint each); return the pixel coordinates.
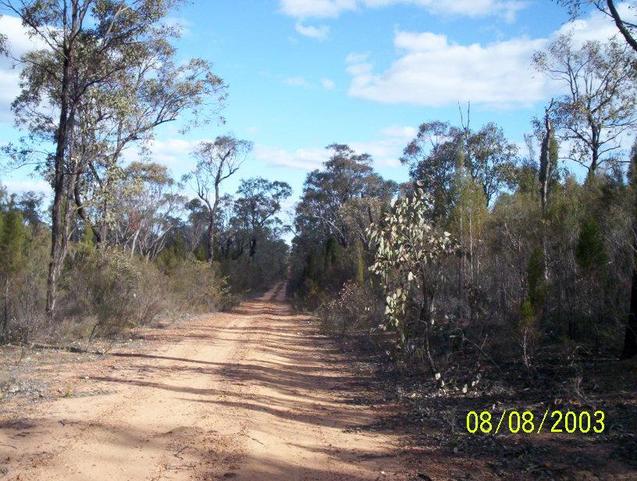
(196, 286)
(590, 251)
(119, 291)
(27, 292)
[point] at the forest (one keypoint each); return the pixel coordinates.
(521, 249)
(494, 260)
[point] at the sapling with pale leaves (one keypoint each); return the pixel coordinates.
(409, 251)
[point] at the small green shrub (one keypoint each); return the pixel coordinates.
(197, 286)
(118, 290)
(590, 251)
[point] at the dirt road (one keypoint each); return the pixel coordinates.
(252, 395)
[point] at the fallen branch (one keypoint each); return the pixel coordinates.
(73, 349)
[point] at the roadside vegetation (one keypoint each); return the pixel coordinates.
(500, 277)
(498, 273)
(121, 243)
(492, 252)
(497, 270)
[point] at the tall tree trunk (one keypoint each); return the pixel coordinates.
(212, 219)
(82, 212)
(253, 247)
(210, 238)
(62, 212)
(545, 178)
(134, 243)
(545, 164)
(426, 309)
(594, 164)
(60, 199)
(62, 188)
(595, 133)
(103, 229)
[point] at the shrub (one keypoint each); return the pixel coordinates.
(197, 286)
(25, 311)
(356, 308)
(117, 290)
(120, 291)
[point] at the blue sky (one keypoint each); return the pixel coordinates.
(306, 73)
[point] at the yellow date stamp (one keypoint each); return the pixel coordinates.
(515, 421)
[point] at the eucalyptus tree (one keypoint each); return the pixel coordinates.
(197, 223)
(627, 28)
(601, 103)
(490, 159)
(347, 176)
(127, 111)
(432, 159)
(331, 244)
(216, 162)
(440, 151)
(409, 251)
(256, 206)
(91, 49)
(549, 156)
(145, 208)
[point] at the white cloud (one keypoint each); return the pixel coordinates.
(598, 26)
(385, 151)
(18, 43)
(319, 33)
(297, 82)
(316, 8)
(433, 71)
(173, 153)
(472, 8)
(303, 159)
(401, 132)
(17, 186)
(300, 81)
(328, 84)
